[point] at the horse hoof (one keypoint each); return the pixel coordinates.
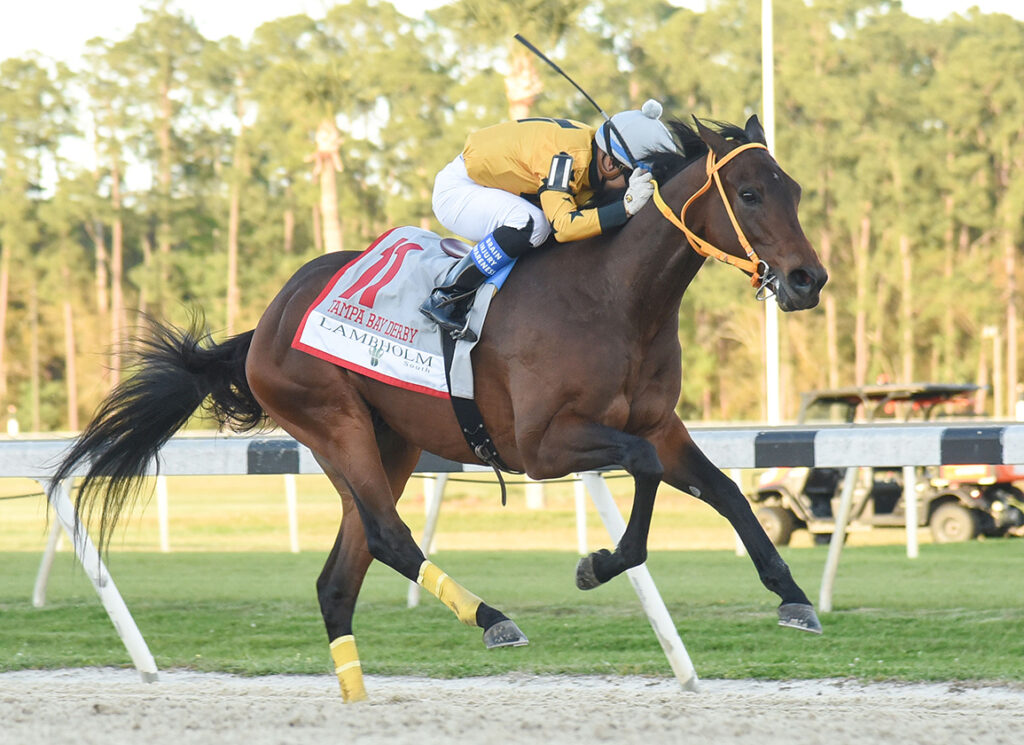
(586, 579)
(799, 616)
(505, 634)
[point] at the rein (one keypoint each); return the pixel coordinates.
(760, 273)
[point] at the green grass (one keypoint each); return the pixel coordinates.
(956, 613)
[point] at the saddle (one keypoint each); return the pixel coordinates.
(454, 247)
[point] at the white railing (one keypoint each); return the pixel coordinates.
(904, 446)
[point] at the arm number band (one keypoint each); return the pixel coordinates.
(561, 173)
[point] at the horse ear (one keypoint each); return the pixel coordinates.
(718, 144)
(754, 130)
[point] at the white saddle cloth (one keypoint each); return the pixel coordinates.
(367, 319)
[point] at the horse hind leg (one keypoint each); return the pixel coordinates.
(337, 590)
(381, 534)
(499, 629)
(342, 577)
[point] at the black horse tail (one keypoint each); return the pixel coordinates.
(172, 373)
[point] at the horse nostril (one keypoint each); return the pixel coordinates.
(801, 280)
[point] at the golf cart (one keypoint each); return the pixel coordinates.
(958, 502)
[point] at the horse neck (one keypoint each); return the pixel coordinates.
(653, 262)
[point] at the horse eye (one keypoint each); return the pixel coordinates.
(749, 196)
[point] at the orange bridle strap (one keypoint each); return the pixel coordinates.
(752, 263)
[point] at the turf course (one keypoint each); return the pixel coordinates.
(956, 613)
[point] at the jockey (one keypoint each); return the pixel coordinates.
(517, 183)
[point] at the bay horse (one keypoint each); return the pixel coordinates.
(578, 368)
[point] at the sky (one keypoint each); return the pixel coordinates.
(60, 28)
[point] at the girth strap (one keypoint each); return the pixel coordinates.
(471, 421)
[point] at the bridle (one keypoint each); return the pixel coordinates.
(761, 275)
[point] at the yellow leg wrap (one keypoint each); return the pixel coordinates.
(348, 669)
(461, 601)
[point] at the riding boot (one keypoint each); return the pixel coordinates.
(449, 303)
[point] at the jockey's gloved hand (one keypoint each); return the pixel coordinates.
(639, 191)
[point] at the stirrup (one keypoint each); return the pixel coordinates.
(452, 328)
(464, 333)
(455, 328)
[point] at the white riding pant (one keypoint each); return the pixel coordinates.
(473, 211)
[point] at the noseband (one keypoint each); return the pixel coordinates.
(761, 275)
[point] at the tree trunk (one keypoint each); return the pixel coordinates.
(163, 232)
(147, 261)
(33, 356)
(1010, 269)
(981, 379)
(425, 219)
(289, 222)
(117, 319)
(71, 372)
(948, 327)
(1010, 219)
(861, 246)
(96, 233)
(240, 168)
(522, 84)
(907, 310)
(724, 382)
(329, 211)
(232, 278)
(318, 233)
(5, 285)
(831, 323)
(877, 349)
(289, 231)
(95, 230)
(948, 324)
(328, 164)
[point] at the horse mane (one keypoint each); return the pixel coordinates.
(667, 163)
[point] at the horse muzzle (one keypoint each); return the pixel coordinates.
(800, 288)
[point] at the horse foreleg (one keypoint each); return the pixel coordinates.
(690, 471)
(584, 446)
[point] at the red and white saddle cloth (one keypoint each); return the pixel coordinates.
(367, 319)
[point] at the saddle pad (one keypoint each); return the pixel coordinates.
(367, 318)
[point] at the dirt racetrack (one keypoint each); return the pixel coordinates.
(113, 707)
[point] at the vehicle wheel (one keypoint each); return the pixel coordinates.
(953, 523)
(778, 523)
(825, 539)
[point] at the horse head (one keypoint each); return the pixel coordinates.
(756, 218)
